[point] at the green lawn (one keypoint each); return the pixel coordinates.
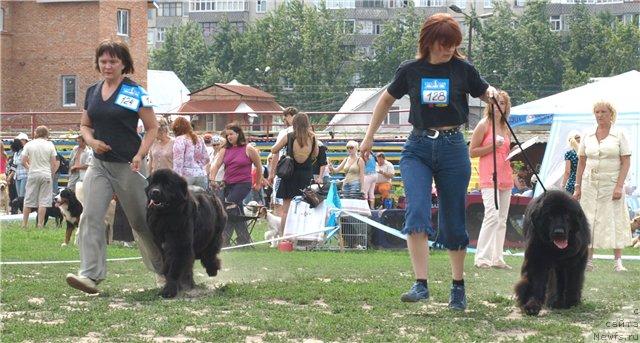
(266, 295)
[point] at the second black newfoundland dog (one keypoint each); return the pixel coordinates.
(557, 240)
(187, 224)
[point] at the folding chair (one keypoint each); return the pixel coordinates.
(239, 222)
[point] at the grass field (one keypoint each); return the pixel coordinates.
(303, 296)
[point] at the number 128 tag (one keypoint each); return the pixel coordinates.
(434, 91)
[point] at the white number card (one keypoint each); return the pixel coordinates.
(435, 91)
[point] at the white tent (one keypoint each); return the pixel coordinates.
(573, 110)
(166, 90)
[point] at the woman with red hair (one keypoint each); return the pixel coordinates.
(437, 81)
(189, 153)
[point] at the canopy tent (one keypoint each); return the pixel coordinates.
(166, 90)
(621, 90)
(573, 111)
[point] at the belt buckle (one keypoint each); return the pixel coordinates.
(437, 133)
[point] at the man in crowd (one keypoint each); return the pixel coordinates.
(39, 157)
(385, 172)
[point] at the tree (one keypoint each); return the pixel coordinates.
(522, 51)
(183, 52)
(397, 43)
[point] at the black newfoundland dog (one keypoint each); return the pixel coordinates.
(557, 237)
(187, 224)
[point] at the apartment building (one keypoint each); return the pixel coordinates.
(365, 18)
(47, 59)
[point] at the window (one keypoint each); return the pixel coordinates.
(239, 25)
(160, 31)
(170, 9)
(349, 26)
(555, 22)
(430, 3)
(521, 3)
(365, 27)
(461, 3)
(336, 4)
(209, 28)
(488, 3)
(261, 6)
(287, 84)
(150, 13)
(377, 27)
(123, 22)
(1, 19)
(217, 5)
(393, 118)
(372, 3)
(69, 91)
(150, 36)
(209, 122)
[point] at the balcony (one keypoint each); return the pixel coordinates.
(218, 6)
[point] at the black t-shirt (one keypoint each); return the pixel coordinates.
(321, 159)
(114, 124)
(438, 92)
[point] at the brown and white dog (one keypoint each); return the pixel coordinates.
(4, 195)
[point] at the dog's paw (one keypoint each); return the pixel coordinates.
(532, 307)
(170, 290)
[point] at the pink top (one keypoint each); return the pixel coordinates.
(189, 160)
(505, 180)
(161, 155)
(3, 165)
(237, 165)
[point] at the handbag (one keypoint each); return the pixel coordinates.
(285, 166)
(312, 196)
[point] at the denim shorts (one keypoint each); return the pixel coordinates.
(444, 160)
(353, 186)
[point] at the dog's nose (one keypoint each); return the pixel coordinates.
(154, 193)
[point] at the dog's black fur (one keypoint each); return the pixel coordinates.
(17, 204)
(187, 224)
(557, 241)
(71, 209)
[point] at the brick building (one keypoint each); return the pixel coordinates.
(232, 102)
(47, 59)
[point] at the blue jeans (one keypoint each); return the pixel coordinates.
(21, 187)
(445, 160)
(349, 187)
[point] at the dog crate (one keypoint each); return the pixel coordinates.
(353, 233)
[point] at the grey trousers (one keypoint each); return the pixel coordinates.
(100, 182)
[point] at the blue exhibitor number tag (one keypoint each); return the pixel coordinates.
(435, 91)
(129, 98)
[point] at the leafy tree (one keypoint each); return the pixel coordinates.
(522, 51)
(183, 52)
(397, 43)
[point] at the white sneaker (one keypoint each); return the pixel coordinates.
(82, 283)
(618, 266)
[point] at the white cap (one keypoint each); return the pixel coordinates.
(22, 136)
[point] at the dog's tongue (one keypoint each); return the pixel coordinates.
(561, 243)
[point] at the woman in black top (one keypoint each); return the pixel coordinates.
(108, 125)
(437, 82)
(305, 149)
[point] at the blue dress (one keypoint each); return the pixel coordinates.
(571, 156)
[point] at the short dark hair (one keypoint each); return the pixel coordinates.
(380, 154)
(115, 49)
(290, 111)
(235, 127)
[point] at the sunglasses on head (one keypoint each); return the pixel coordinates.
(350, 147)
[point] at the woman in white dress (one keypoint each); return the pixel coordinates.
(604, 158)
